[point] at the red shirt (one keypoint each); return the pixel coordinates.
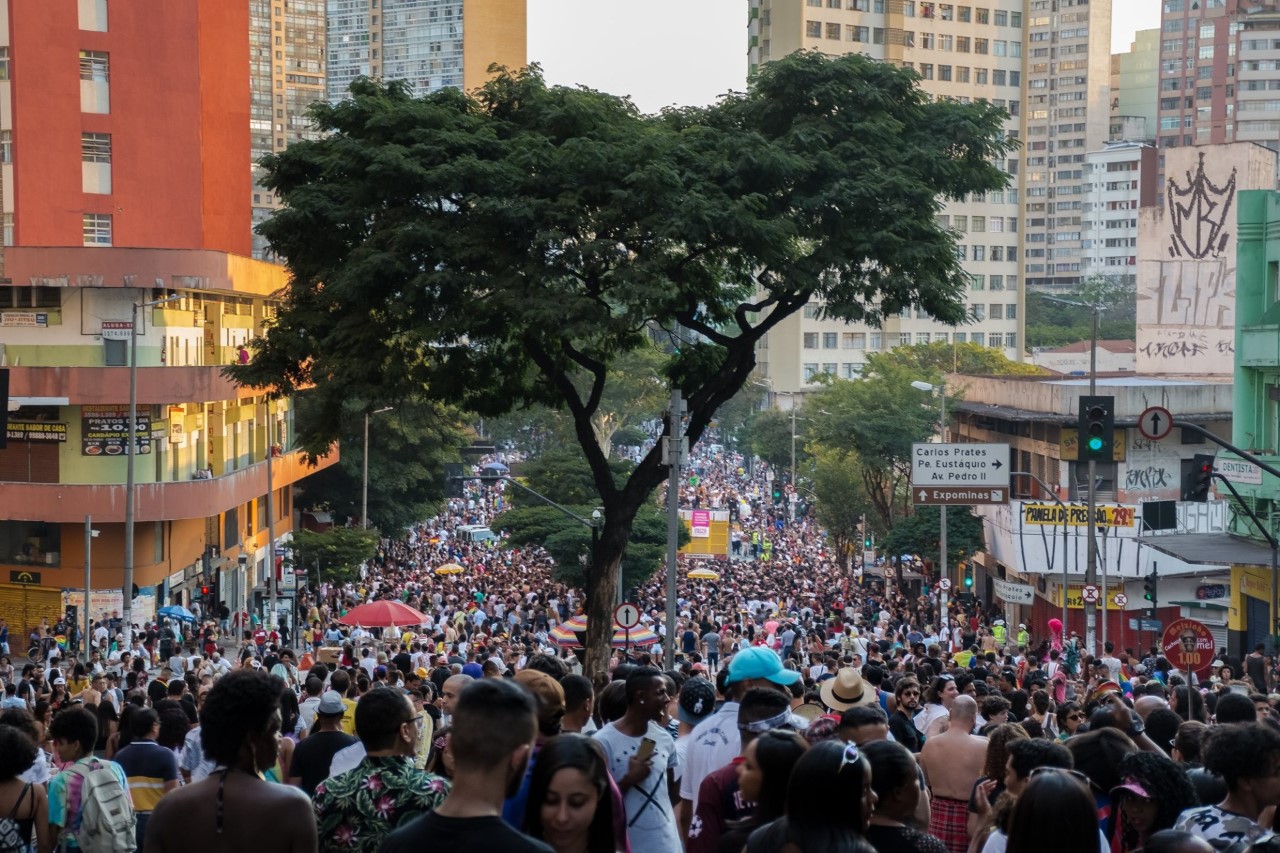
(718, 803)
(260, 637)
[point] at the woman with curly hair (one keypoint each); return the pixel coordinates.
(1154, 792)
(239, 732)
(1069, 716)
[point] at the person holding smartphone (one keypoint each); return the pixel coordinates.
(642, 758)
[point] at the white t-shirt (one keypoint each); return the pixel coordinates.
(651, 823)
(713, 743)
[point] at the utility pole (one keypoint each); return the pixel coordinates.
(1091, 567)
(942, 524)
(674, 458)
(88, 546)
(274, 619)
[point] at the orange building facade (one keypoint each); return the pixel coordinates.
(126, 179)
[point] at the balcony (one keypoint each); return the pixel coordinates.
(1259, 346)
(56, 502)
(107, 385)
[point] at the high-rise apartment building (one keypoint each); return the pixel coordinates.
(125, 166)
(1119, 180)
(1219, 72)
(961, 50)
(1067, 115)
(286, 76)
(432, 44)
(1135, 84)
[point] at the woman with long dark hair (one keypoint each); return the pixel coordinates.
(895, 779)
(829, 804)
(1054, 814)
(570, 805)
(763, 777)
(1154, 792)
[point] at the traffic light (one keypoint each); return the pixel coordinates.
(1097, 428)
(968, 578)
(867, 542)
(1150, 589)
(1195, 486)
(777, 494)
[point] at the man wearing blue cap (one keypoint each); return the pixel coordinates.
(715, 741)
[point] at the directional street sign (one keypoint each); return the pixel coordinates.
(932, 496)
(1155, 423)
(944, 584)
(626, 615)
(960, 465)
(1089, 593)
(1119, 599)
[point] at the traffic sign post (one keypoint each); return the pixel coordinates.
(627, 616)
(960, 465)
(1119, 599)
(1155, 423)
(944, 584)
(1089, 594)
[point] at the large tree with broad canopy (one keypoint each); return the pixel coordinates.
(508, 247)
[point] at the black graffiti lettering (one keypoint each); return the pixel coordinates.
(1198, 214)
(1174, 349)
(1146, 478)
(1226, 346)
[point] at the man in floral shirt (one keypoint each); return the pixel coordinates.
(357, 809)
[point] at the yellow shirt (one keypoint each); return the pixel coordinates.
(349, 715)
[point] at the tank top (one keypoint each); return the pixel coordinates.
(15, 833)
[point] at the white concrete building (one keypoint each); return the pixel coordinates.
(1119, 179)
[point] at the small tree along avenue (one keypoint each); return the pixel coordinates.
(512, 247)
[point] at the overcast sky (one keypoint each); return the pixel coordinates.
(686, 52)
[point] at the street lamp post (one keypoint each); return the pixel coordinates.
(130, 473)
(89, 535)
(364, 479)
(942, 510)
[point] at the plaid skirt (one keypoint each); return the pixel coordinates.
(947, 823)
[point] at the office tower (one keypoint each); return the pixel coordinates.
(431, 44)
(126, 190)
(287, 75)
(963, 51)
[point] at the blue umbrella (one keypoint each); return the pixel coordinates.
(496, 466)
(177, 611)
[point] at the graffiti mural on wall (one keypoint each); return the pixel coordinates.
(1199, 212)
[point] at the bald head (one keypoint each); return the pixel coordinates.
(450, 689)
(1144, 705)
(964, 709)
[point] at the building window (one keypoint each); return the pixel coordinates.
(1011, 312)
(7, 229)
(95, 147)
(94, 65)
(997, 312)
(995, 339)
(833, 32)
(6, 147)
(810, 370)
(810, 340)
(813, 29)
(855, 340)
(960, 337)
(4, 63)
(978, 338)
(904, 339)
(93, 15)
(874, 341)
(830, 340)
(97, 229)
(829, 368)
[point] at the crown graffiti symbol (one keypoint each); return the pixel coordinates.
(1198, 215)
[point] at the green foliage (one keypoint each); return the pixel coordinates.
(920, 533)
(408, 448)
(1053, 324)
(771, 438)
(563, 476)
(569, 542)
(967, 358)
(842, 494)
(338, 551)
(493, 250)
(877, 418)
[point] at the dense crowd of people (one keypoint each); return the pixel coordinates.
(809, 710)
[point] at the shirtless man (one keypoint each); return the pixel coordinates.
(952, 762)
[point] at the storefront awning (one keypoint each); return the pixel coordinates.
(1211, 549)
(1200, 605)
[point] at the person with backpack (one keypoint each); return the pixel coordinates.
(89, 804)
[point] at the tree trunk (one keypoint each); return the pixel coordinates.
(602, 589)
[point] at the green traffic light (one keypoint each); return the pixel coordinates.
(1095, 443)
(968, 580)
